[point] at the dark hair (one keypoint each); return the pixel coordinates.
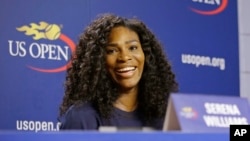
(87, 79)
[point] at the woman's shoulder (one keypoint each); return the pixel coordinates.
(83, 108)
(82, 116)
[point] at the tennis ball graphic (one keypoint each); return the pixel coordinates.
(52, 32)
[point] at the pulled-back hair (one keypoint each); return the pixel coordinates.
(87, 79)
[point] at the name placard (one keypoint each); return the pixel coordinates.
(205, 113)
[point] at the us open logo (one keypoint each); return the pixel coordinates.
(208, 7)
(189, 112)
(44, 51)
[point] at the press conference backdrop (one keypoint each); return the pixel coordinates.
(38, 37)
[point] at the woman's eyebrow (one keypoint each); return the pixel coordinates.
(130, 41)
(126, 42)
(112, 44)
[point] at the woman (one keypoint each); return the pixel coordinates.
(119, 77)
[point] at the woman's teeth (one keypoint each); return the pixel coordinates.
(126, 69)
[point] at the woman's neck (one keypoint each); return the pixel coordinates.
(127, 100)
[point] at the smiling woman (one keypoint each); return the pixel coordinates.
(119, 77)
(125, 58)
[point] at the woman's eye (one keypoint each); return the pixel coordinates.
(133, 47)
(110, 51)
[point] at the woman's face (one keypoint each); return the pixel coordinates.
(124, 57)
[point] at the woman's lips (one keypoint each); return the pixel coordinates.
(126, 72)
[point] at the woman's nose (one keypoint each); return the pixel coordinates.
(124, 55)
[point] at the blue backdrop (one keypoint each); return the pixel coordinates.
(38, 37)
